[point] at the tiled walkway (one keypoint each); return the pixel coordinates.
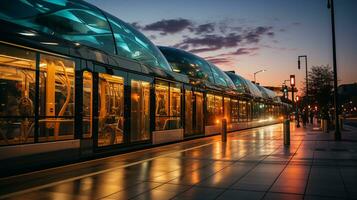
(253, 164)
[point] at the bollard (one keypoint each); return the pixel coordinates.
(286, 131)
(224, 130)
(341, 122)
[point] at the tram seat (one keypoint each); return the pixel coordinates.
(172, 124)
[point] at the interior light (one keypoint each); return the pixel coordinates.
(27, 34)
(49, 43)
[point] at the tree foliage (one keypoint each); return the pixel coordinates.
(320, 87)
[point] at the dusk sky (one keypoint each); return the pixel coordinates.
(249, 35)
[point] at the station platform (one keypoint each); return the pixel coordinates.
(252, 164)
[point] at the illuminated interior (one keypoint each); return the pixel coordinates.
(214, 109)
(56, 119)
(18, 91)
(111, 110)
(193, 112)
(168, 106)
(87, 104)
(17, 95)
(140, 111)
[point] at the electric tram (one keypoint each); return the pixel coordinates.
(77, 82)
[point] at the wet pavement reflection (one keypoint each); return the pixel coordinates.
(253, 164)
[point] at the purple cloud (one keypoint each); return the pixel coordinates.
(204, 28)
(254, 35)
(166, 26)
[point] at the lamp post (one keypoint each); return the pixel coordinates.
(292, 84)
(330, 5)
(255, 73)
(307, 81)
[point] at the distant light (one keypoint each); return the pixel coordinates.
(49, 43)
(77, 44)
(27, 34)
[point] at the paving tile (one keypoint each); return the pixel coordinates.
(198, 175)
(283, 196)
(155, 195)
(227, 176)
(349, 175)
(309, 197)
(325, 181)
(200, 193)
(260, 178)
(241, 194)
(292, 180)
(133, 191)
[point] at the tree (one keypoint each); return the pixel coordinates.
(320, 89)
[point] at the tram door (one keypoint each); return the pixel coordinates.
(139, 108)
(198, 110)
(193, 113)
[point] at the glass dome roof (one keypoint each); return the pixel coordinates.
(195, 67)
(245, 86)
(84, 24)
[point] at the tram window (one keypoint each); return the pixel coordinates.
(255, 110)
(227, 109)
(175, 100)
(242, 111)
(210, 109)
(218, 76)
(70, 20)
(214, 109)
(188, 111)
(140, 111)
(87, 104)
(56, 120)
(234, 111)
(162, 98)
(168, 106)
(17, 95)
(134, 45)
(218, 108)
(249, 111)
(111, 110)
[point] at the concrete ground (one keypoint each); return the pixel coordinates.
(252, 164)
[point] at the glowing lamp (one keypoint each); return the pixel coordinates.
(292, 80)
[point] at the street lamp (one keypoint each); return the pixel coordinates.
(292, 84)
(330, 6)
(255, 73)
(307, 80)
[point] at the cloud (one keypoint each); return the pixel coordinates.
(212, 42)
(254, 35)
(200, 50)
(204, 28)
(170, 26)
(245, 51)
